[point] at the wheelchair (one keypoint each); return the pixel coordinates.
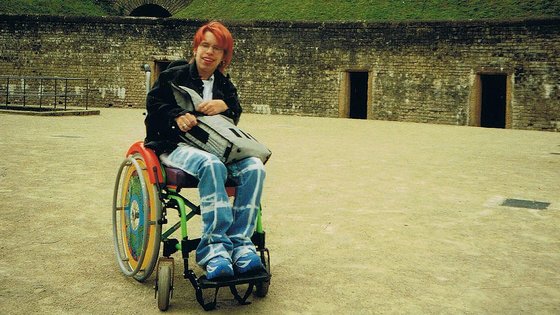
(145, 191)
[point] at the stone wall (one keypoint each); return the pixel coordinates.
(418, 71)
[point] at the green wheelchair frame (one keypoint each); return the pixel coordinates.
(144, 192)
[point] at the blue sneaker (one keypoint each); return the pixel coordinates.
(218, 267)
(247, 263)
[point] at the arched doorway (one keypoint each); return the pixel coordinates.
(150, 10)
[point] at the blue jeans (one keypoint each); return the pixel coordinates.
(226, 230)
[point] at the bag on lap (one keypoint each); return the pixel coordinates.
(217, 134)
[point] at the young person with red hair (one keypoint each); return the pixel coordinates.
(225, 248)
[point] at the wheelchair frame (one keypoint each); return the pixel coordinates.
(140, 205)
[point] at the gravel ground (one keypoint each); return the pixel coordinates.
(361, 217)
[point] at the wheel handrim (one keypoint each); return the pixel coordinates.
(137, 209)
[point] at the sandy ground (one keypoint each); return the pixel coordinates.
(361, 217)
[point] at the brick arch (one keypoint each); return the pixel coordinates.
(126, 7)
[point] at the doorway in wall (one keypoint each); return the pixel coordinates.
(160, 66)
(151, 10)
(493, 100)
(358, 94)
(490, 100)
(490, 103)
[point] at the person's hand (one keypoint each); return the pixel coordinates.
(212, 107)
(186, 122)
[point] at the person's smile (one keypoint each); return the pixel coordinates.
(208, 60)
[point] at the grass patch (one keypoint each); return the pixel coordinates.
(311, 10)
(367, 10)
(55, 7)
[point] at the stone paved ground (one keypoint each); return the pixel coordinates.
(361, 217)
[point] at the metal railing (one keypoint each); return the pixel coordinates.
(43, 92)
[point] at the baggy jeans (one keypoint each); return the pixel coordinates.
(226, 230)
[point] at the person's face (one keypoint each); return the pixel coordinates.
(208, 55)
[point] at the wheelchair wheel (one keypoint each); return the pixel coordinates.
(261, 288)
(136, 211)
(164, 286)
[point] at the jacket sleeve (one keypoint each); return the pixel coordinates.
(162, 108)
(232, 101)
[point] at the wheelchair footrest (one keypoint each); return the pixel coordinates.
(254, 278)
(201, 283)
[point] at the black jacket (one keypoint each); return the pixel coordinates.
(162, 133)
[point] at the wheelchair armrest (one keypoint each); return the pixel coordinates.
(151, 159)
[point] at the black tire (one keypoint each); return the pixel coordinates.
(164, 287)
(261, 289)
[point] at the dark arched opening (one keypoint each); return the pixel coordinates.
(151, 10)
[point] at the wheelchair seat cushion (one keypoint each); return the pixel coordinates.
(181, 179)
(178, 177)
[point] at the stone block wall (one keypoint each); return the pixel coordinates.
(418, 71)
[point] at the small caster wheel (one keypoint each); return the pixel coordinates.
(164, 286)
(261, 288)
